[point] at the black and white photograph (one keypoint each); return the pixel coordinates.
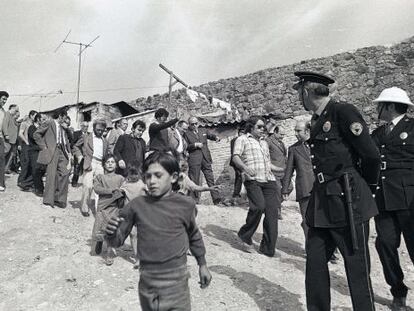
(172, 155)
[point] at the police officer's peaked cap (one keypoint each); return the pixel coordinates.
(306, 76)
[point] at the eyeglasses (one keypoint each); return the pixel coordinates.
(195, 123)
(260, 126)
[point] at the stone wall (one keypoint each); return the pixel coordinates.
(360, 76)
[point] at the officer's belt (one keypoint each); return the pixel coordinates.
(396, 165)
(323, 178)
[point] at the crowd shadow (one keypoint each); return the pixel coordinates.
(266, 295)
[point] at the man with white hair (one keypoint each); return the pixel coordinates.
(395, 193)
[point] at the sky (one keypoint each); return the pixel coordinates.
(200, 41)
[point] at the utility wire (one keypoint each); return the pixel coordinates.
(98, 90)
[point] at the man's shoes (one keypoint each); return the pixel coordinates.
(60, 204)
(98, 247)
(85, 214)
(38, 193)
(49, 204)
(24, 188)
(399, 304)
(266, 254)
(246, 247)
(2, 189)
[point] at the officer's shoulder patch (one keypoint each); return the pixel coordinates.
(356, 128)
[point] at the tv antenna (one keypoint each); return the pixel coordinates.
(43, 96)
(82, 48)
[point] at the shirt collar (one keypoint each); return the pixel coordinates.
(397, 119)
(321, 108)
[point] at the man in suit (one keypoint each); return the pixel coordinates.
(395, 193)
(77, 165)
(113, 135)
(199, 157)
(10, 129)
(3, 99)
(54, 152)
(342, 153)
(278, 156)
(176, 138)
(130, 148)
(91, 148)
(299, 160)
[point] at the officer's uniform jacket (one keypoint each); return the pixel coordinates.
(340, 142)
(396, 184)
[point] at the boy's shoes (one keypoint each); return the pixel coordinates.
(2, 189)
(85, 214)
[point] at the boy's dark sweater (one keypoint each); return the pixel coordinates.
(166, 228)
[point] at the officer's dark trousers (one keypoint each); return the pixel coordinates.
(389, 226)
(194, 174)
(320, 246)
(264, 197)
(77, 171)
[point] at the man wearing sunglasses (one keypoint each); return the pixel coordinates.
(345, 161)
(199, 157)
(251, 156)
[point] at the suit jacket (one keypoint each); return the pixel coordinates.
(46, 138)
(112, 138)
(339, 143)
(84, 146)
(278, 153)
(396, 183)
(174, 139)
(10, 128)
(129, 149)
(196, 155)
(299, 160)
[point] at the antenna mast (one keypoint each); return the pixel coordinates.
(82, 48)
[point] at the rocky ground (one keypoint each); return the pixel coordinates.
(45, 263)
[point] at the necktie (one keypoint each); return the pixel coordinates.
(389, 128)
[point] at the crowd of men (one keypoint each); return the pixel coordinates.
(344, 176)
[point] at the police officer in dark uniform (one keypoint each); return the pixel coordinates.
(345, 162)
(395, 195)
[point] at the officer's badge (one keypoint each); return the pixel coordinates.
(356, 128)
(403, 135)
(326, 126)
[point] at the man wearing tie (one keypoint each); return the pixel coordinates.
(395, 192)
(54, 152)
(299, 160)
(199, 157)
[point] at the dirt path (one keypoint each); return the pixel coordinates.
(45, 263)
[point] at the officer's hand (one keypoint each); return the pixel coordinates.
(285, 197)
(122, 164)
(205, 276)
(198, 145)
(113, 225)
